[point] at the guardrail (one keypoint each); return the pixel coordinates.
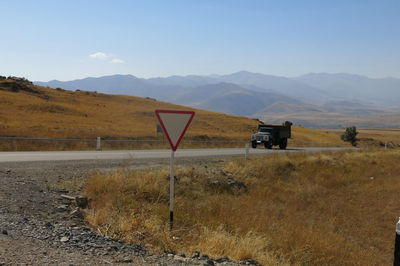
(29, 143)
(32, 144)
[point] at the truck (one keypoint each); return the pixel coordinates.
(270, 135)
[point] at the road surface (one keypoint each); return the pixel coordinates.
(140, 154)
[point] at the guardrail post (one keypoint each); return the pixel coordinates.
(98, 144)
(396, 261)
(246, 156)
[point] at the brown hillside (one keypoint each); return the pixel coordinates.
(33, 111)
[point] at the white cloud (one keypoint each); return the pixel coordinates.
(103, 56)
(99, 55)
(116, 61)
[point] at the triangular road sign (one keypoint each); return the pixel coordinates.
(174, 124)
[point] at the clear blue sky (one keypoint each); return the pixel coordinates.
(44, 40)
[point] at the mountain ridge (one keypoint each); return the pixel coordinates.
(247, 94)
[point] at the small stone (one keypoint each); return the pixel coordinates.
(64, 239)
(4, 232)
(77, 213)
(82, 201)
(48, 224)
(62, 208)
(181, 255)
(221, 259)
(178, 258)
(204, 257)
(127, 260)
(209, 263)
(249, 262)
(196, 254)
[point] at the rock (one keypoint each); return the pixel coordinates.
(209, 262)
(204, 257)
(77, 213)
(169, 252)
(236, 183)
(62, 208)
(67, 197)
(82, 201)
(64, 239)
(4, 232)
(178, 258)
(196, 254)
(249, 262)
(181, 255)
(127, 260)
(222, 259)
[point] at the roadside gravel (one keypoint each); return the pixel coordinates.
(39, 227)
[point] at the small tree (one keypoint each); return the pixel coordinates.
(350, 135)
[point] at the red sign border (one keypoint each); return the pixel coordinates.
(166, 132)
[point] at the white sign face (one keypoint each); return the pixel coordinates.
(174, 124)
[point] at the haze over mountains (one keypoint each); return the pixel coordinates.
(313, 100)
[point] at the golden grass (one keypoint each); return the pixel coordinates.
(55, 113)
(304, 209)
(374, 137)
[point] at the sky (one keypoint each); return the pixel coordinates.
(65, 40)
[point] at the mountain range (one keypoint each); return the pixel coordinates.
(314, 100)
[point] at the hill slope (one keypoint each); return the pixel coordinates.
(35, 111)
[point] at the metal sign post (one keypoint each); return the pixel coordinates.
(174, 124)
(171, 190)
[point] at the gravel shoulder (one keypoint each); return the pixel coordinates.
(38, 226)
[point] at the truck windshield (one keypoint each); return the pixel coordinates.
(265, 130)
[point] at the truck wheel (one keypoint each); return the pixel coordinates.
(268, 145)
(283, 144)
(254, 144)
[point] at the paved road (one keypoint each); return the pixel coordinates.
(138, 154)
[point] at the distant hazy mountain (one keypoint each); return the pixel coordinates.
(230, 98)
(312, 99)
(118, 84)
(383, 92)
(282, 85)
(187, 81)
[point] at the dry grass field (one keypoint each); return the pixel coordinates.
(332, 208)
(34, 111)
(370, 138)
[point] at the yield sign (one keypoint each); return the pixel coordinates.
(174, 124)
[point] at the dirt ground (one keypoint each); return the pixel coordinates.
(40, 226)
